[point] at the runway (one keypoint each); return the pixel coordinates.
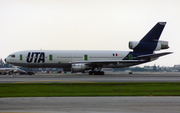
(90, 105)
(148, 104)
(85, 78)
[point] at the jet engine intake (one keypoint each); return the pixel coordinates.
(133, 44)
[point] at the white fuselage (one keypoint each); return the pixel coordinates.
(63, 58)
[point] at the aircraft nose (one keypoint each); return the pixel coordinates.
(5, 59)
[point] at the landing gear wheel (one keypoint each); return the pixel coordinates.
(97, 73)
(30, 73)
(90, 72)
(101, 72)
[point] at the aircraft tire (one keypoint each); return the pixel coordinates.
(98, 72)
(101, 72)
(90, 73)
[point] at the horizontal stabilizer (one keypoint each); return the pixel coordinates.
(156, 55)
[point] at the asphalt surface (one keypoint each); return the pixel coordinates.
(149, 104)
(85, 78)
(90, 105)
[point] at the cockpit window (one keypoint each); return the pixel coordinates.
(13, 56)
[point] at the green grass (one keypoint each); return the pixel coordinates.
(88, 89)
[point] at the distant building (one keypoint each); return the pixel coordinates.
(177, 66)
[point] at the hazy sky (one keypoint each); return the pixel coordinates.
(87, 25)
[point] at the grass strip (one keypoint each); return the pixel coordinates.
(88, 89)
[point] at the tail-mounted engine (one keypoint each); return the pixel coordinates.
(147, 46)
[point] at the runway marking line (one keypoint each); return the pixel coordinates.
(54, 81)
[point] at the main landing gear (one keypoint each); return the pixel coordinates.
(30, 72)
(99, 72)
(96, 72)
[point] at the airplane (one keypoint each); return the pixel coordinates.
(82, 60)
(10, 71)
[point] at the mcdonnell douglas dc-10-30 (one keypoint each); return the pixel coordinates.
(82, 60)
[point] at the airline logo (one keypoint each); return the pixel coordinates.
(35, 57)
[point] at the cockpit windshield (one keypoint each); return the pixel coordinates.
(13, 56)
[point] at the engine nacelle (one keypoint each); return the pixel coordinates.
(80, 67)
(144, 46)
(164, 44)
(15, 71)
(133, 44)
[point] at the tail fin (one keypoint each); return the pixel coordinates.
(154, 34)
(149, 42)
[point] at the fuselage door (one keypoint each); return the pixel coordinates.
(85, 57)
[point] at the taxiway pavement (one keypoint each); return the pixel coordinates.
(85, 78)
(149, 104)
(90, 105)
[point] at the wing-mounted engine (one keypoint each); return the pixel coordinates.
(80, 67)
(147, 46)
(15, 70)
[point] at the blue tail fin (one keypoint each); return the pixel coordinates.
(149, 42)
